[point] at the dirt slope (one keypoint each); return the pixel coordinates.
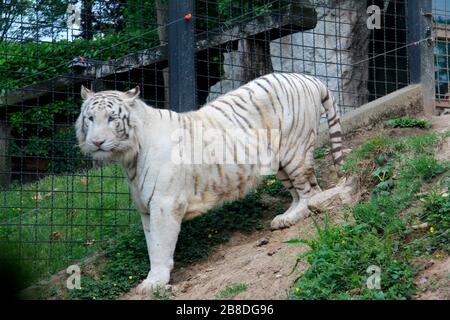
(267, 269)
(434, 281)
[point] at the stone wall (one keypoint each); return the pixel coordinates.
(329, 51)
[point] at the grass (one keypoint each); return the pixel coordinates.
(409, 122)
(321, 152)
(59, 219)
(231, 290)
(378, 231)
(127, 261)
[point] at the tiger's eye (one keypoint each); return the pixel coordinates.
(91, 118)
(110, 119)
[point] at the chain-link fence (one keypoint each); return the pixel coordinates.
(57, 206)
(441, 14)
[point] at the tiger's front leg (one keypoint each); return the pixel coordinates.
(164, 222)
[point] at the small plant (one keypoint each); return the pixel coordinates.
(272, 186)
(339, 258)
(321, 152)
(163, 294)
(424, 167)
(380, 234)
(384, 175)
(408, 122)
(437, 214)
(232, 290)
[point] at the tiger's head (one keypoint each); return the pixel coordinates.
(105, 128)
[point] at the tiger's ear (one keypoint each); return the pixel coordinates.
(133, 93)
(86, 93)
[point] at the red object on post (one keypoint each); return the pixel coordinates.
(188, 16)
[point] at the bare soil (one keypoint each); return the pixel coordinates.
(434, 281)
(267, 269)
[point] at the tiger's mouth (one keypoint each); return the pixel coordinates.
(102, 155)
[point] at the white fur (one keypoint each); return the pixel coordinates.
(166, 193)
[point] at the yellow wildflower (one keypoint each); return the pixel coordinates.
(297, 290)
(130, 277)
(432, 230)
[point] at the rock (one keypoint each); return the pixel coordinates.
(346, 192)
(345, 45)
(420, 226)
(185, 287)
(347, 151)
(262, 242)
(334, 45)
(443, 154)
(428, 265)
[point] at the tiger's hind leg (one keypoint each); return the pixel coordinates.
(286, 181)
(304, 183)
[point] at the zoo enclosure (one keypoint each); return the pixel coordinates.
(56, 205)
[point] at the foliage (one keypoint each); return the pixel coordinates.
(128, 255)
(59, 219)
(224, 12)
(26, 63)
(36, 134)
(274, 187)
(408, 121)
(437, 214)
(231, 9)
(379, 234)
(321, 152)
(33, 13)
(232, 290)
(382, 147)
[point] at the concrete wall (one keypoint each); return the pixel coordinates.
(406, 101)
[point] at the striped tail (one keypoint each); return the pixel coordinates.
(334, 127)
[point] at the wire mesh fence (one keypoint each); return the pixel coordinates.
(441, 16)
(57, 206)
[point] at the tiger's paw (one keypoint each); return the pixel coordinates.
(151, 284)
(288, 219)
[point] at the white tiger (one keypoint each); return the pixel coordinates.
(119, 126)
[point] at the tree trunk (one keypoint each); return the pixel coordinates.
(5, 160)
(161, 19)
(254, 58)
(355, 82)
(87, 20)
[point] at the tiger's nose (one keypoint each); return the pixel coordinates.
(98, 143)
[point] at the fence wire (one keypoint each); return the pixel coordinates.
(441, 14)
(56, 205)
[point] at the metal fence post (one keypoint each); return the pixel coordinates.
(421, 56)
(182, 73)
